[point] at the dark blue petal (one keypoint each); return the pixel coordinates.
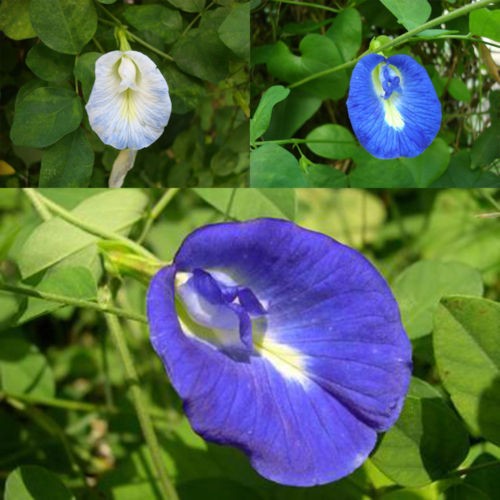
(330, 363)
(413, 97)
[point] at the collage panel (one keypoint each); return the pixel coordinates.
(214, 343)
(124, 93)
(375, 94)
(296, 293)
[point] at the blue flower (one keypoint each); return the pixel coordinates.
(283, 343)
(129, 105)
(393, 107)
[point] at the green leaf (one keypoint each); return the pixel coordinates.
(273, 166)
(420, 287)
(9, 306)
(75, 282)
(15, 19)
(486, 149)
(465, 492)
(64, 25)
(251, 203)
(235, 30)
(325, 176)
(460, 174)
(262, 116)
(409, 13)
(188, 5)
(332, 141)
(345, 32)
(467, 351)
(48, 64)
(85, 71)
(185, 91)
(455, 233)
(68, 163)
(420, 171)
(318, 53)
(44, 116)
(202, 54)
(155, 20)
(56, 239)
(458, 90)
(485, 22)
(31, 482)
(23, 368)
(426, 442)
(484, 479)
(289, 115)
(352, 216)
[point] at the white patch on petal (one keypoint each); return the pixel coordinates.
(392, 116)
(129, 105)
(287, 360)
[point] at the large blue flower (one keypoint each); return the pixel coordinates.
(393, 107)
(283, 343)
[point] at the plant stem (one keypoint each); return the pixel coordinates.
(37, 205)
(399, 40)
(230, 205)
(300, 141)
(157, 210)
(108, 13)
(307, 4)
(140, 407)
(140, 41)
(90, 228)
(473, 468)
(70, 405)
(70, 301)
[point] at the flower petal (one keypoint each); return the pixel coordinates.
(129, 105)
(390, 126)
(331, 362)
(122, 164)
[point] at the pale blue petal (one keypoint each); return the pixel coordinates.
(129, 105)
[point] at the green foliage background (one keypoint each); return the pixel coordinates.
(300, 133)
(49, 49)
(68, 423)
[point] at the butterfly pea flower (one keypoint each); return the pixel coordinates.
(283, 343)
(129, 106)
(393, 107)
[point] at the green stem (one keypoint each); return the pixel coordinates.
(140, 407)
(71, 301)
(399, 40)
(195, 19)
(157, 210)
(37, 205)
(108, 13)
(100, 48)
(137, 39)
(140, 41)
(90, 228)
(307, 4)
(79, 406)
(300, 141)
(230, 204)
(473, 468)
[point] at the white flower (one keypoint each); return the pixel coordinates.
(129, 105)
